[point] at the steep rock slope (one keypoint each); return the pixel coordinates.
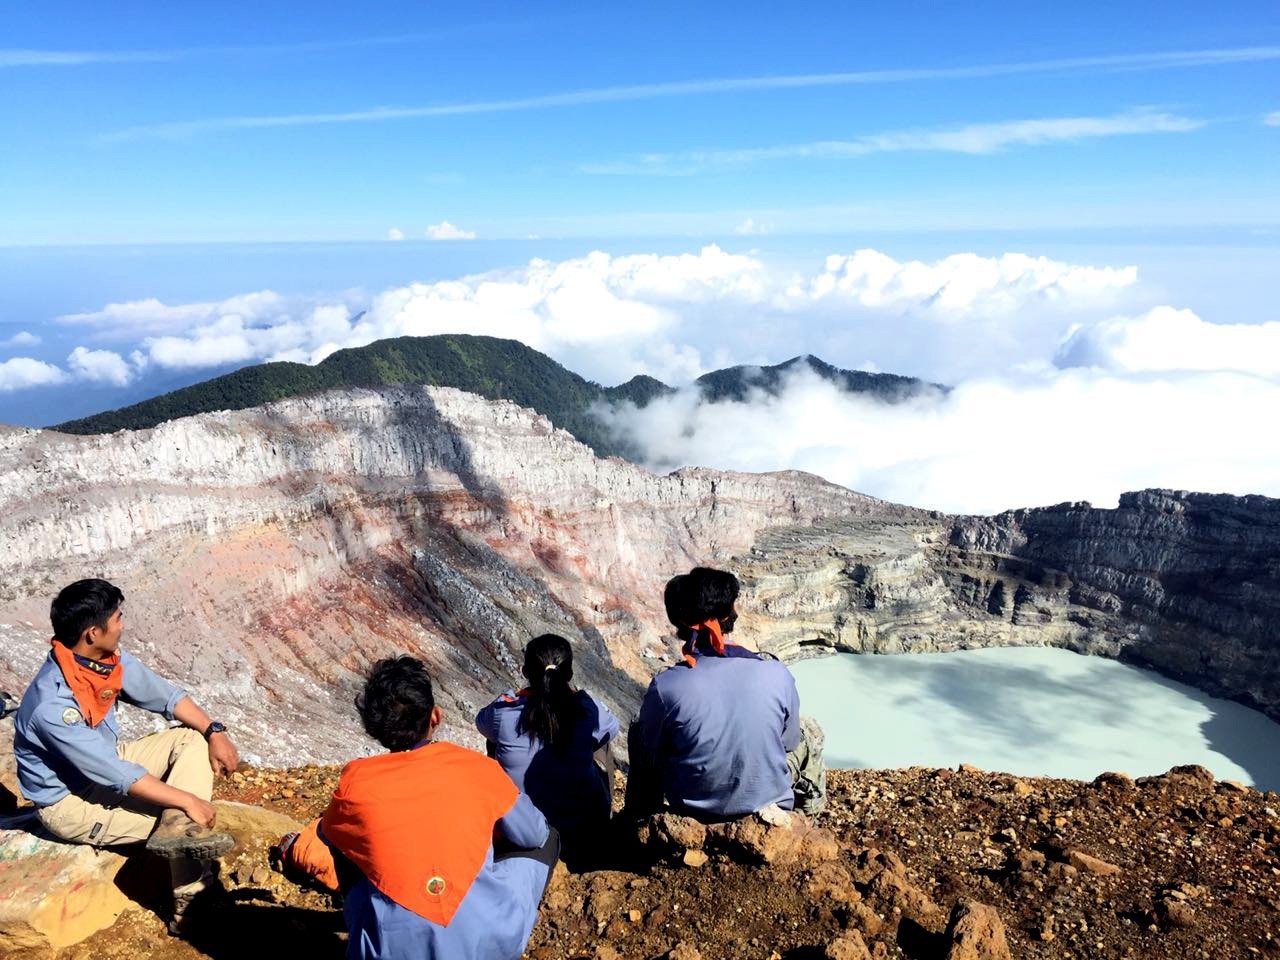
(269, 555)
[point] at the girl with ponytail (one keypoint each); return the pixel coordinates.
(546, 735)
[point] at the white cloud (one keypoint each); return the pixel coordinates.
(395, 233)
(963, 283)
(1169, 339)
(22, 338)
(990, 444)
(1162, 60)
(606, 315)
(76, 58)
(1272, 119)
(976, 138)
(749, 228)
(444, 230)
(150, 316)
(21, 372)
(673, 317)
(103, 366)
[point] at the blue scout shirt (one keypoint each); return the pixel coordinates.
(58, 753)
(719, 733)
(493, 922)
(567, 787)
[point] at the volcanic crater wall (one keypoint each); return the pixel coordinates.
(268, 556)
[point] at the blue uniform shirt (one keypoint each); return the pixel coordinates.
(566, 786)
(719, 733)
(493, 922)
(58, 753)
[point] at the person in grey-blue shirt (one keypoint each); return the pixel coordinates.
(90, 787)
(548, 737)
(719, 735)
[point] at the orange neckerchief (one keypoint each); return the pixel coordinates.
(418, 823)
(714, 633)
(95, 692)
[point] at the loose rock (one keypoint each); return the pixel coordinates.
(976, 932)
(849, 947)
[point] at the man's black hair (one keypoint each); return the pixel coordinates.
(709, 594)
(673, 597)
(395, 705)
(83, 604)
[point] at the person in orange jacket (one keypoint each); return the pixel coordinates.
(436, 851)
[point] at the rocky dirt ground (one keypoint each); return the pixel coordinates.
(1169, 866)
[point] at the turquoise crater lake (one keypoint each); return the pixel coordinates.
(1032, 711)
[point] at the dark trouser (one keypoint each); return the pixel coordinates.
(644, 782)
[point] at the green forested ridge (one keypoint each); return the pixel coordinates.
(733, 383)
(488, 366)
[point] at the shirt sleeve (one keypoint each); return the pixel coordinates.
(143, 688)
(487, 722)
(85, 749)
(606, 725)
(524, 825)
(791, 721)
(652, 720)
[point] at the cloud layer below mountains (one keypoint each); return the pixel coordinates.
(991, 444)
(1071, 382)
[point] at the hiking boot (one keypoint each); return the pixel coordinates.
(177, 836)
(193, 901)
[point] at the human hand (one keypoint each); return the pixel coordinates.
(201, 811)
(223, 756)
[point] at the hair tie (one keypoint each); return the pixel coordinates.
(549, 666)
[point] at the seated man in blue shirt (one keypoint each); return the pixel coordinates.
(720, 733)
(90, 788)
(438, 855)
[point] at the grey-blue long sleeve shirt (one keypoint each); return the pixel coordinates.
(719, 733)
(59, 753)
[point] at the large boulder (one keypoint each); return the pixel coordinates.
(769, 836)
(54, 894)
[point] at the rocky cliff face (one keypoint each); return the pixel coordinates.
(1186, 583)
(269, 555)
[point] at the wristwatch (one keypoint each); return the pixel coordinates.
(214, 727)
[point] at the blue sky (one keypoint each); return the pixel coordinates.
(130, 123)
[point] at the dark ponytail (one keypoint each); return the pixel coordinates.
(551, 708)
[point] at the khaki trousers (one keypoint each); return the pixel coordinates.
(103, 818)
(808, 773)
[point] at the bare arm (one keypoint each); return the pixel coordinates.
(223, 756)
(156, 791)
